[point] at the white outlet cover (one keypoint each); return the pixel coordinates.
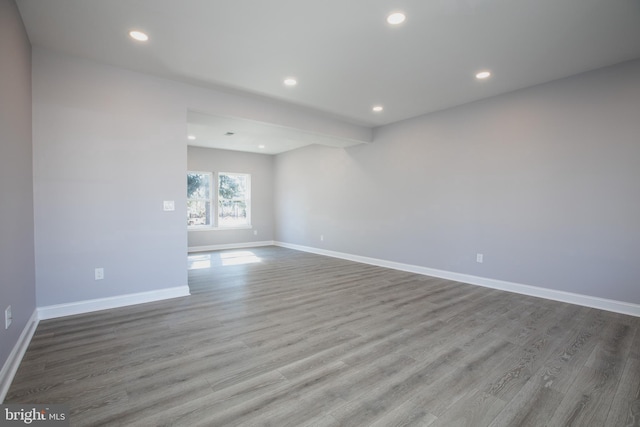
(99, 273)
(169, 205)
(479, 258)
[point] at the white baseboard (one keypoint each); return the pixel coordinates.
(535, 291)
(15, 357)
(230, 246)
(79, 307)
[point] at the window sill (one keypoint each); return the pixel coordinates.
(241, 227)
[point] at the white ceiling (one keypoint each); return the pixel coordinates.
(344, 55)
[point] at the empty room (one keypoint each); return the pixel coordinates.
(305, 213)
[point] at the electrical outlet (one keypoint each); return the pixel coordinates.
(169, 205)
(255, 232)
(322, 237)
(479, 258)
(8, 317)
(99, 273)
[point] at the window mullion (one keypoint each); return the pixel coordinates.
(214, 199)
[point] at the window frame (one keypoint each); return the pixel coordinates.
(247, 200)
(210, 201)
(214, 202)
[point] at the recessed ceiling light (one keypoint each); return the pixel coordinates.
(377, 108)
(483, 75)
(260, 146)
(396, 18)
(290, 81)
(191, 137)
(138, 35)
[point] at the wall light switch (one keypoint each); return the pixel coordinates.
(169, 205)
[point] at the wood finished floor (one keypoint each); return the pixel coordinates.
(272, 336)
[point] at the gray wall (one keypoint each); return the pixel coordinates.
(260, 166)
(545, 182)
(107, 153)
(109, 147)
(17, 272)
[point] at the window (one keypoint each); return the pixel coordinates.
(233, 200)
(199, 198)
(221, 200)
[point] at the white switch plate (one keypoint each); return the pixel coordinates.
(8, 317)
(322, 237)
(169, 205)
(99, 273)
(255, 232)
(479, 258)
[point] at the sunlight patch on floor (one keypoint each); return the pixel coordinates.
(239, 258)
(199, 262)
(209, 260)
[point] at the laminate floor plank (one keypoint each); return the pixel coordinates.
(563, 367)
(274, 404)
(436, 398)
(391, 392)
(359, 379)
(530, 358)
(406, 415)
(589, 399)
(625, 408)
(273, 336)
(265, 361)
(476, 409)
(635, 347)
(532, 406)
(198, 407)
